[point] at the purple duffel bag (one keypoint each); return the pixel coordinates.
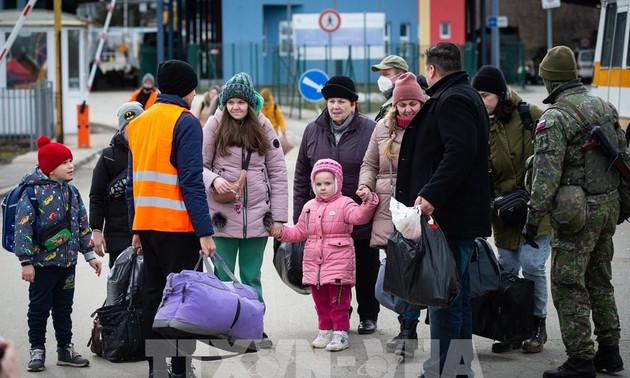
(199, 305)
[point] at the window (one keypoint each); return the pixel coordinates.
(286, 39)
(445, 30)
(388, 32)
(618, 45)
(264, 38)
(26, 61)
(609, 30)
(74, 60)
(405, 32)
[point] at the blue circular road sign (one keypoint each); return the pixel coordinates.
(311, 84)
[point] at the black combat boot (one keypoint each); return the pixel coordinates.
(390, 347)
(608, 358)
(536, 343)
(573, 368)
(409, 338)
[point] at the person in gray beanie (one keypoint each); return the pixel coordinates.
(341, 133)
(581, 192)
(108, 216)
(147, 93)
(127, 113)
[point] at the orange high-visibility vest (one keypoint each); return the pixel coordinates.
(150, 100)
(159, 204)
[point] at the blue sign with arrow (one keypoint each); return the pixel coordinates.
(311, 84)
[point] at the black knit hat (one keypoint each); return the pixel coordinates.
(490, 79)
(340, 87)
(176, 77)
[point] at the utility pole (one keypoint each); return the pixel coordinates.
(494, 36)
(58, 96)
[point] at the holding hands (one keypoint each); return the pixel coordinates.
(276, 230)
(364, 193)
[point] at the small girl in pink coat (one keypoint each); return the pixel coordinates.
(326, 224)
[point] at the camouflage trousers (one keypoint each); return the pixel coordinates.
(581, 276)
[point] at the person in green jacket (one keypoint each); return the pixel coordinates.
(511, 144)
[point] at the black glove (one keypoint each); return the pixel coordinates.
(529, 233)
(622, 218)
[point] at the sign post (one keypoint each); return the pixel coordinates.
(310, 85)
(549, 5)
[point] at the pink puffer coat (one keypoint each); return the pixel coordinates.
(326, 226)
(266, 196)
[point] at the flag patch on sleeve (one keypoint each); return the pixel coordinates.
(540, 125)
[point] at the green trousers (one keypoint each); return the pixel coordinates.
(250, 253)
(581, 275)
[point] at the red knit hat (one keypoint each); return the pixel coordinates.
(407, 88)
(51, 154)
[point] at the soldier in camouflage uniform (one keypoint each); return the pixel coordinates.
(580, 192)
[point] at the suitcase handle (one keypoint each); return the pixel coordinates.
(210, 270)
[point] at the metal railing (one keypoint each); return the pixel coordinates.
(25, 114)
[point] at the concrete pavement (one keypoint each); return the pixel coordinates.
(290, 319)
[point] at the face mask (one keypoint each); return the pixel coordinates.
(384, 84)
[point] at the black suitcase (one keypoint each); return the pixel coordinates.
(505, 314)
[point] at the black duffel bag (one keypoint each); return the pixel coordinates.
(117, 330)
(287, 259)
(121, 333)
(505, 314)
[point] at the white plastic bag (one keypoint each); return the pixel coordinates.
(406, 220)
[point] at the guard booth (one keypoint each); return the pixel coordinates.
(27, 74)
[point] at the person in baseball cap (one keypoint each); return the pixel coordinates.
(391, 61)
(389, 69)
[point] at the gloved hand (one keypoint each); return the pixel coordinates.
(529, 233)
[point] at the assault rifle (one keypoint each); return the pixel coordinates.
(599, 139)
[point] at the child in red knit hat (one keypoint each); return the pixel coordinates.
(49, 234)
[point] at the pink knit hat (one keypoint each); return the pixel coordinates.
(328, 165)
(407, 88)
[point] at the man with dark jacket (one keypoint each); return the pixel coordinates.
(445, 154)
(169, 211)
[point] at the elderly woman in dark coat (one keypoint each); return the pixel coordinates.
(343, 134)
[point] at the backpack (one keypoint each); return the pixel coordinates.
(9, 208)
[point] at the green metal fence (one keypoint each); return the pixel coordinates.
(280, 70)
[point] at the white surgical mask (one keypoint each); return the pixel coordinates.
(384, 84)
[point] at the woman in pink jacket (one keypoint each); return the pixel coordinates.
(326, 224)
(238, 137)
(378, 175)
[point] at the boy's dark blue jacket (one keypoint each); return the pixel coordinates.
(52, 197)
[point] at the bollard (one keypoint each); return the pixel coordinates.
(83, 125)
